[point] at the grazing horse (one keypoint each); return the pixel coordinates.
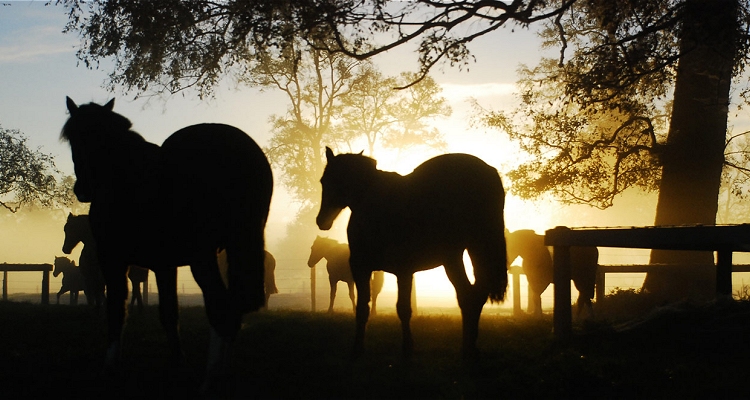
(72, 280)
(405, 224)
(337, 264)
(207, 187)
(537, 265)
(77, 230)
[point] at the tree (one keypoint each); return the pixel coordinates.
(628, 58)
(604, 116)
(28, 177)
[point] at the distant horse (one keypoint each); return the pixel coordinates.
(537, 265)
(137, 275)
(72, 280)
(78, 230)
(269, 280)
(405, 224)
(337, 257)
(208, 187)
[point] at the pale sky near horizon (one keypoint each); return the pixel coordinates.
(38, 68)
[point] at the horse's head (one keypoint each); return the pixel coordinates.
(342, 182)
(317, 251)
(62, 264)
(88, 132)
(73, 232)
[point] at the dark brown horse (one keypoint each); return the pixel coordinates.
(405, 224)
(208, 187)
(72, 280)
(337, 265)
(537, 265)
(77, 230)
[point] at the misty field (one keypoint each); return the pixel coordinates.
(693, 352)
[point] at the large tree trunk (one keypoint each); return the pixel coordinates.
(694, 153)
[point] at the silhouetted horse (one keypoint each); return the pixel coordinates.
(208, 187)
(337, 264)
(269, 268)
(405, 224)
(78, 230)
(537, 265)
(137, 275)
(72, 280)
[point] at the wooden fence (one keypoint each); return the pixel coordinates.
(44, 268)
(724, 240)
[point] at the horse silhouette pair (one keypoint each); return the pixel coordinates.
(207, 187)
(537, 265)
(404, 224)
(337, 265)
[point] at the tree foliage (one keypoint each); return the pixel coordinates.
(596, 119)
(340, 102)
(27, 176)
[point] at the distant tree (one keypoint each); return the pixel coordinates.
(339, 102)
(28, 177)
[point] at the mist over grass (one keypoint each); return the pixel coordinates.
(691, 351)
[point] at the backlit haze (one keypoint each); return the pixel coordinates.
(38, 68)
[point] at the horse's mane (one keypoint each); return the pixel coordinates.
(94, 116)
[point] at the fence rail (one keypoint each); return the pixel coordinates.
(44, 268)
(724, 240)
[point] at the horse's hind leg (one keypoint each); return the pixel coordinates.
(403, 308)
(166, 281)
(332, 294)
(376, 285)
(471, 299)
(223, 317)
(352, 296)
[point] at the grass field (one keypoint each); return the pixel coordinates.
(685, 352)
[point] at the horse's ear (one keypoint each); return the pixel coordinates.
(72, 107)
(361, 152)
(329, 154)
(110, 105)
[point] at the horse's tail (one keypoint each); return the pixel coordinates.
(489, 254)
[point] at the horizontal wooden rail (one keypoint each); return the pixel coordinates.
(44, 268)
(724, 240)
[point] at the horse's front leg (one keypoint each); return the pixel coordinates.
(403, 308)
(362, 311)
(115, 277)
(166, 282)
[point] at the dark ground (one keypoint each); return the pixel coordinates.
(683, 351)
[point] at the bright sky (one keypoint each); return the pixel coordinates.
(38, 68)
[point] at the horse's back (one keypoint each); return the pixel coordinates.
(459, 192)
(217, 164)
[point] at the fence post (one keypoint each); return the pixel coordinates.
(562, 317)
(5, 285)
(312, 288)
(45, 286)
(724, 273)
(516, 291)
